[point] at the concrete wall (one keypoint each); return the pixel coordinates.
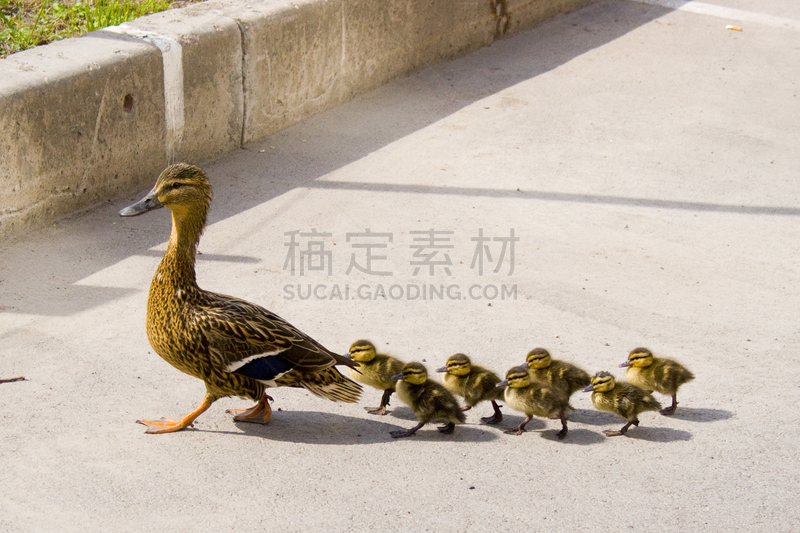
(92, 118)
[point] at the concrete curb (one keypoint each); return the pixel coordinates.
(92, 118)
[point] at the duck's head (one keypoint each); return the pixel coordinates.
(639, 357)
(516, 378)
(413, 373)
(457, 365)
(362, 351)
(538, 358)
(181, 188)
(601, 382)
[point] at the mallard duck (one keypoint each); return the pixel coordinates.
(534, 399)
(474, 383)
(621, 398)
(656, 374)
(237, 348)
(376, 370)
(429, 400)
(558, 374)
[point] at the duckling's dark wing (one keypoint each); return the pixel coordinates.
(247, 339)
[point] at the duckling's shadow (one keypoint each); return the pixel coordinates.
(701, 415)
(593, 418)
(536, 424)
(475, 432)
(658, 434)
(581, 437)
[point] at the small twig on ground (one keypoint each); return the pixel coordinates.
(20, 378)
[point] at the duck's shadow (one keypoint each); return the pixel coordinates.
(312, 427)
(692, 414)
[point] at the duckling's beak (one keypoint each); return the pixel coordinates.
(443, 369)
(626, 363)
(590, 388)
(396, 377)
(148, 203)
(502, 384)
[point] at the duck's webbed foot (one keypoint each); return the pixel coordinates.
(260, 413)
(400, 434)
(166, 425)
(496, 418)
(671, 409)
(447, 429)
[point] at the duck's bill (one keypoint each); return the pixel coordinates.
(443, 369)
(590, 388)
(396, 377)
(148, 203)
(502, 384)
(626, 363)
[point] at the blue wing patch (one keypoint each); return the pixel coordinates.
(265, 368)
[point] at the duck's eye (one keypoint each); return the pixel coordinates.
(177, 185)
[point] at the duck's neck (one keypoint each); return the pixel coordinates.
(177, 267)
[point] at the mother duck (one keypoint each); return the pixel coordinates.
(237, 348)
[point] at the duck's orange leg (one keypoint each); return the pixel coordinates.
(165, 425)
(260, 413)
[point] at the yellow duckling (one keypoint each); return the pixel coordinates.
(474, 383)
(376, 370)
(656, 374)
(237, 348)
(534, 399)
(430, 401)
(621, 398)
(558, 374)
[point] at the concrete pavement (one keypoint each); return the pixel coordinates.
(646, 159)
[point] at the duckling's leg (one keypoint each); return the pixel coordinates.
(401, 434)
(496, 418)
(165, 425)
(519, 430)
(671, 409)
(381, 410)
(563, 433)
(260, 413)
(612, 433)
(447, 429)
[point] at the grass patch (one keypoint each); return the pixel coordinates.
(28, 23)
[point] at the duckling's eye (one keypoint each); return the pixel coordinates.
(177, 185)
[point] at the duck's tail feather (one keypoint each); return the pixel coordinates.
(331, 384)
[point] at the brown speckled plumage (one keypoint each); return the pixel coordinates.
(217, 338)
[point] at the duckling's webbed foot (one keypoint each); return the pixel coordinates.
(260, 413)
(400, 434)
(614, 433)
(466, 408)
(496, 418)
(519, 430)
(166, 425)
(381, 409)
(447, 429)
(563, 433)
(671, 409)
